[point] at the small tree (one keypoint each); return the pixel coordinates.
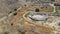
(36, 10)
(52, 0)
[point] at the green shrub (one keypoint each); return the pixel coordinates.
(22, 32)
(5, 32)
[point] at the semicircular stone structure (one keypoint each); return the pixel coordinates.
(29, 17)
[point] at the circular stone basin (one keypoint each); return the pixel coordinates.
(37, 16)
